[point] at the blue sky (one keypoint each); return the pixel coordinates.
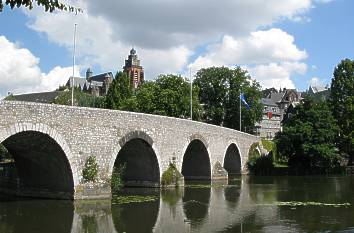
(328, 38)
(282, 44)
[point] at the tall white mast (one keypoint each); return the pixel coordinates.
(191, 94)
(72, 82)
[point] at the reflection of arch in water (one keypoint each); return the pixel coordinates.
(33, 216)
(196, 160)
(232, 159)
(137, 217)
(196, 203)
(42, 159)
(232, 192)
(137, 152)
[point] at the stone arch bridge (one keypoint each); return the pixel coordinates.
(51, 143)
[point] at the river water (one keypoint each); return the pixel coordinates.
(245, 204)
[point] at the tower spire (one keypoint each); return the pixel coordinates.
(133, 69)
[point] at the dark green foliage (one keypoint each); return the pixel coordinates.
(49, 5)
(258, 164)
(90, 171)
(171, 176)
(262, 165)
(342, 104)
(168, 95)
(308, 139)
(119, 93)
(9, 97)
(219, 91)
(117, 178)
(254, 150)
(81, 99)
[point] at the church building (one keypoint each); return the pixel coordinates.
(134, 70)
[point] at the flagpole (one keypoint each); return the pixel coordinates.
(73, 78)
(240, 110)
(190, 78)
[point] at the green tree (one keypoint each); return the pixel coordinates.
(49, 5)
(308, 138)
(81, 99)
(219, 91)
(120, 93)
(169, 95)
(90, 171)
(342, 104)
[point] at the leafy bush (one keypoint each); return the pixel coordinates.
(117, 178)
(170, 176)
(268, 145)
(257, 164)
(90, 171)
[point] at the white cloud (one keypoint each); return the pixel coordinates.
(166, 33)
(161, 23)
(277, 75)
(270, 56)
(96, 44)
(315, 82)
(260, 47)
(20, 73)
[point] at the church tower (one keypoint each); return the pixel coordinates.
(134, 70)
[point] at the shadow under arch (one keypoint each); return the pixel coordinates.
(196, 161)
(42, 164)
(232, 160)
(138, 157)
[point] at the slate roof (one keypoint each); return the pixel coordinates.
(268, 102)
(41, 97)
(316, 89)
(78, 82)
(101, 77)
(276, 97)
(96, 80)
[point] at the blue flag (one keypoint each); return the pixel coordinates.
(242, 98)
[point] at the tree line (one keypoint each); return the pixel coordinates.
(215, 97)
(318, 135)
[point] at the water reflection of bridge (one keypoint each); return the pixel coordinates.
(201, 209)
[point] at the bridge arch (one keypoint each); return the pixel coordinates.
(137, 151)
(49, 176)
(232, 159)
(196, 163)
